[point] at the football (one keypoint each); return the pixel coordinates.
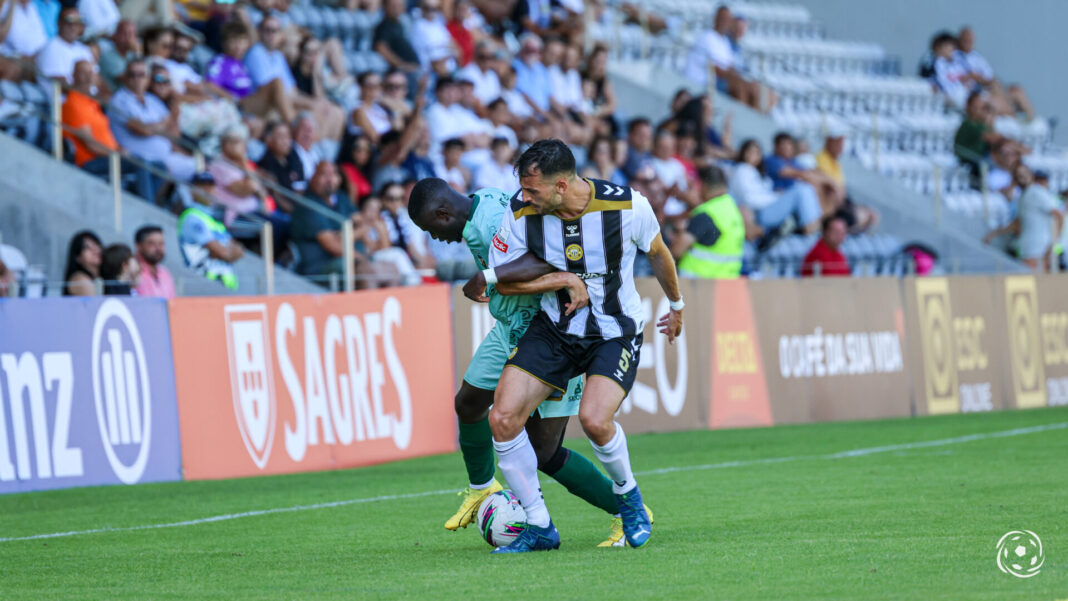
(501, 518)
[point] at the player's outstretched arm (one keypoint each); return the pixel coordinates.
(664, 269)
(525, 268)
(551, 282)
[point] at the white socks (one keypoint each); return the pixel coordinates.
(480, 486)
(519, 463)
(616, 461)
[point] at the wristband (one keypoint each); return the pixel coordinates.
(676, 305)
(490, 275)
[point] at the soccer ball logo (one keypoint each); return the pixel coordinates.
(1020, 553)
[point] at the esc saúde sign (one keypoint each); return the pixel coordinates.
(86, 394)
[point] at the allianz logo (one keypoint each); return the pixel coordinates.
(40, 404)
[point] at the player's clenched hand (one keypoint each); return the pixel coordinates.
(671, 324)
(576, 289)
(475, 288)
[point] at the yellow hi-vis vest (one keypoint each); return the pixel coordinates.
(713, 256)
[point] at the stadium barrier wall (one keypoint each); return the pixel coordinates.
(86, 393)
(282, 384)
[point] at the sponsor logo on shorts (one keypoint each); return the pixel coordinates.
(573, 252)
(499, 244)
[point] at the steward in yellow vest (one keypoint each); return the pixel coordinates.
(712, 244)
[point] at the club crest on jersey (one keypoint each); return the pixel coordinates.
(572, 230)
(573, 252)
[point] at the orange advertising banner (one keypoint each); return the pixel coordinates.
(281, 384)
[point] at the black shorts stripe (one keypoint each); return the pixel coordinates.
(612, 225)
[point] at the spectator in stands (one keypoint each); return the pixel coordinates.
(976, 138)
(228, 75)
(859, 218)
(519, 105)
(500, 122)
(8, 278)
(499, 172)
(308, 68)
(1005, 100)
(159, 45)
(712, 244)
(825, 258)
(142, 123)
(451, 170)
(155, 279)
(418, 165)
(27, 33)
(600, 164)
(1040, 219)
(392, 41)
(712, 51)
(370, 118)
(120, 270)
(603, 98)
(532, 77)
(752, 188)
(431, 38)
(304, 140)
(281, 162)
(465, 25)
(58, 57)
(318, 238)
(101, 17)
(448, 119)
(785, 173)
(84, 254)
(403, 233)
(206, 246)
(395, 98)
(672, 175)
(949, 75)
(355, 163)
(639, 145)
(482, 72)
(236, 187)
(266, 62)
(698, 114)
(122, 47)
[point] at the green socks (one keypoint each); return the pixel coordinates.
(476, 445)
(582, 479)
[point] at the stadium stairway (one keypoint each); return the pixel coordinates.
(44, 202)
(646, 88)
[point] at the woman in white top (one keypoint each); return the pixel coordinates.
(750, 187)
(370, 118)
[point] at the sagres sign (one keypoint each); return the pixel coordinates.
(297, 383)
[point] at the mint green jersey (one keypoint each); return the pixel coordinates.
(487, 214)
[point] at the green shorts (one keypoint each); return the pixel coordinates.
(485, 371)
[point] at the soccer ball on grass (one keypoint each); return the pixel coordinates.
(501, 518)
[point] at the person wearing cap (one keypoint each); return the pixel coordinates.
(713, 242)
(206, 246)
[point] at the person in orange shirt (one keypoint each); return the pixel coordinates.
(88, 130)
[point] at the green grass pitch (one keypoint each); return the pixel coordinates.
(776, 513)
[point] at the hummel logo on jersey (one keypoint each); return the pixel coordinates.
(610, 190)
(573, 231)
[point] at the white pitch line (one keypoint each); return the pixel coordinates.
(665, 470)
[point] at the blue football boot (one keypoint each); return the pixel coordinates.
(636, 524)
(533, 539)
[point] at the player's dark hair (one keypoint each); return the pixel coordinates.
(145, 232)
(712, 176)
(427, 193)
(550, 157)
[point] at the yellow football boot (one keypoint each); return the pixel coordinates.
(616, 538)
(469, 506)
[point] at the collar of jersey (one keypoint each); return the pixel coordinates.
(589, 203)
(474, 206)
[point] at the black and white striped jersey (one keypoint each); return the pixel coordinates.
(599, 246)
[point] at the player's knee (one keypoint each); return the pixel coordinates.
(551, 460)
(596, 427)
(505, 425)
(469, 409)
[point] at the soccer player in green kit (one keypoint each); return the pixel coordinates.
(448, 215)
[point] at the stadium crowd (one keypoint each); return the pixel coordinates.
(461, 87)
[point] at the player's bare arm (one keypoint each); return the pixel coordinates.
(524, 269)
(664, 269)
(551, 282)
